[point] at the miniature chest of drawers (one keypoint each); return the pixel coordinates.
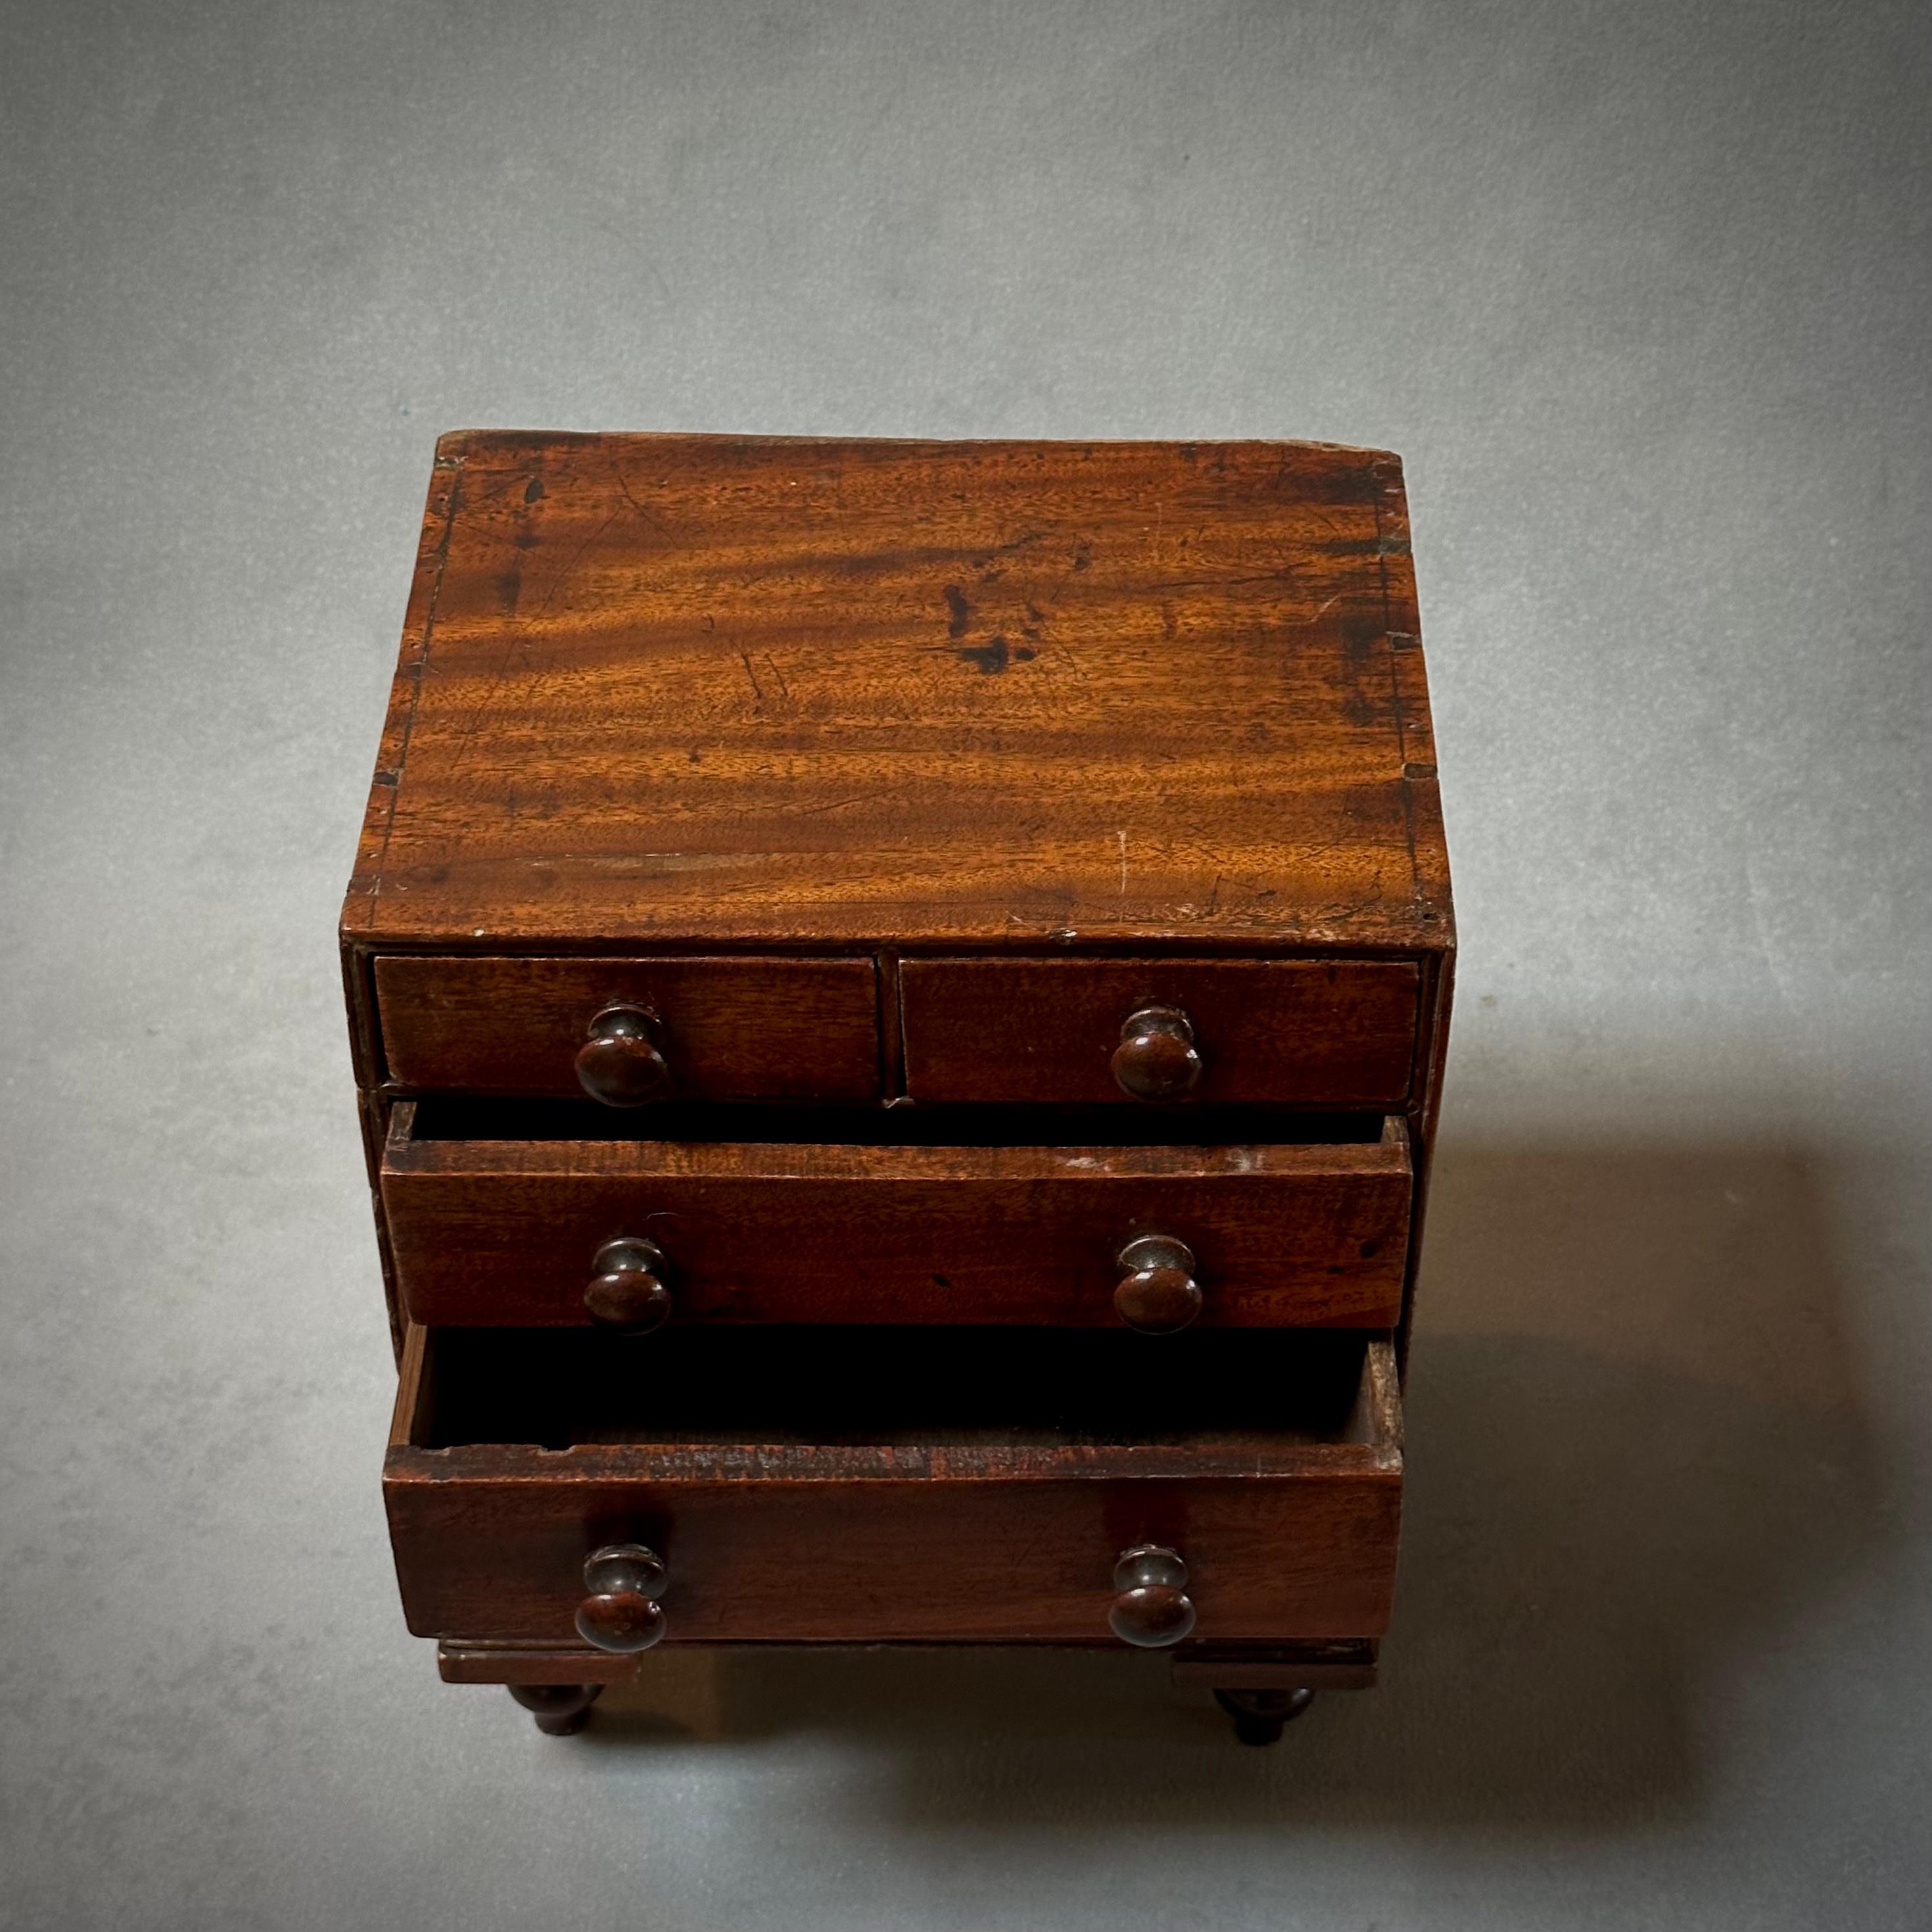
(898, 990)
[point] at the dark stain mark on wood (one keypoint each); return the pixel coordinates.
(535, 492)
(995, 657)
(961, 611)
(1363, 641)
(1359, 637)
(984, 563)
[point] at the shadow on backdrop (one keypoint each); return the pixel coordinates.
(1636, 1462)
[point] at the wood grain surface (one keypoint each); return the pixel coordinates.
(506, 1231)
(1299, 1033)
(773, 1029)
(697, 690)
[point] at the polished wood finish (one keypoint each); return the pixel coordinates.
(724, 690)
(620, 1611)
(622, 1061)
(727, 1029)
(945, 1532)
(1158, 1295)
(897, 781)
(1151, 1608)
(463, 1661)
(1294, 1033)
(1157, 1058)
(630, 1286)
(505, 1232)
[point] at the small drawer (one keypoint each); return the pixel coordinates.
(825, 1224)
(914, 1485)
(627, 1031)
(1283, 1032)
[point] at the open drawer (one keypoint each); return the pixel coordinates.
(915, 1485)
(508, 1214)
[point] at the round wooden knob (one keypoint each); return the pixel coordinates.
(1154, 1609)
(622, 1061)
(630, 1288)
(1158, 1293)
(621, 1612)
(1157, 1059)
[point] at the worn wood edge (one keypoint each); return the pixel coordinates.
(1340, 931)
(400, 1135)
(358, 1000)
(1377, 1458)
(1167, 944)
(1382, 1386)
(891, 1023)
(440, 509)
(1425, 1116)
(371, 1109)
(891, 1165)
(1409, 689)
(806, 1464)
(1423, 807)
(415, 1386)
(459, 1661)
(457, 446)
(1030, 953)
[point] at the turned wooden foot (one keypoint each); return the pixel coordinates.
(1259, 1715)
(560, 1709)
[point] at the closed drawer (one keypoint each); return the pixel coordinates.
(1288, 1032)
(714, 1029)
(915, 1486)
(537, 1231)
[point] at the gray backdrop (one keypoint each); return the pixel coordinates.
(1640, 292)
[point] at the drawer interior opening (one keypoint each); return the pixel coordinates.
(460, 1118)
(556, 1388)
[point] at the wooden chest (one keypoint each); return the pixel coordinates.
(898, 990)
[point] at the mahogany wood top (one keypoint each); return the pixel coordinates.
(695, 692)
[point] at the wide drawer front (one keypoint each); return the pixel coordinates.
(536, 1232)
(1288, 1032)
(982, 1535)
(629, 1031)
